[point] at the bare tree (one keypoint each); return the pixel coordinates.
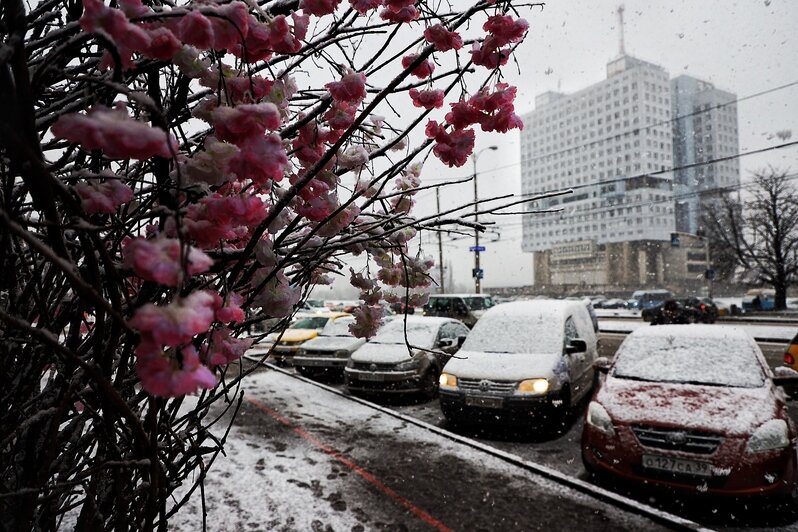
(761, 234)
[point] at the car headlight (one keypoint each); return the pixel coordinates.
(407, 365)
(598, 418)
(343, 353)
(302, 352)
(448, 380)
(770, 435)
(350, 363)
(533, 386)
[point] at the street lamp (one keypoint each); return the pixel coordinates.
(477, 271)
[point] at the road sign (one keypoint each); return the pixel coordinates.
(709, 274)
(675, 241)
(477, 273)
(476, 248)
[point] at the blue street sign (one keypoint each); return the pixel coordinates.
(476, 248)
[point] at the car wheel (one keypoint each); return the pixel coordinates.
(429, 383)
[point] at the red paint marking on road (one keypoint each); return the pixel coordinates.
(374, 481)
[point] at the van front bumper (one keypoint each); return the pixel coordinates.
(500, 409)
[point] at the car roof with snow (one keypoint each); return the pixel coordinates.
(553, 308)
(696, 331)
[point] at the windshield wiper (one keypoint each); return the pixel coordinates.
(497, 352)
(633, 378)
(702, 383)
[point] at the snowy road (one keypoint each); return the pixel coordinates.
(303, 458)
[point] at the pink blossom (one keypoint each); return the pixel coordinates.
(498, 108)
(319, 8)
(128, 37)
(505, 29)
(262, 159)
(423, 70)
(409, 180)
(195, 29)
(218, 218)
(163, 375)
(340, 221)
(341, 115)
(354, 157)
(210, 165)
(317, 208)
(398, 5)
(187, 59)
(488, 54)
(402, 204)
(452, 148)
(235, 124)
(159, 260)
(176, 323)
(404, 15)
(103, 197)
(463, 115)
(364, 6)
(309, 145)
(134, 8)
(442, 39)
(247, 89)
(278, 297)
(359, 281)
(351, 88)
(115, 133)
(230, 24)
(231, 310)
(223, 348)
(366, 188)
(368, 319)
(163, 44)
(429, 99)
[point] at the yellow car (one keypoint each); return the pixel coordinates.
(306, 327)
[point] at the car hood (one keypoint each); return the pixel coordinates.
(334, 343)
(294, 335)
(381, 353)
(730, 411)
(503, 366)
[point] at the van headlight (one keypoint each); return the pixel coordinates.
(770, 435)
(598, 418)
(447, 380)
(302, 352)
(407, 365)
(533, 386)
(343, 353)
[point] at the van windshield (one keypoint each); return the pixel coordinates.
(515, 333)
(478, 303)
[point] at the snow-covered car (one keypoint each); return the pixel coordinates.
(692, 408)
(330, 350)
(467, 308)
(284, 345)
(405, 356)
(523, 363)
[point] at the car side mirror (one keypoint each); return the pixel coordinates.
(783, 375)
(461, 340)
(446, 343)
(602, 364)
(577, 345)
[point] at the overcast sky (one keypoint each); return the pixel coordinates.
(743, 47)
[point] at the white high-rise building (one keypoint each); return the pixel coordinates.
(704, 129)
(612, 144)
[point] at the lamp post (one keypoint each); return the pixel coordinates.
(477, 271)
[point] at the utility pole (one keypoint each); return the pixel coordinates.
(442, 286)
(477, 270)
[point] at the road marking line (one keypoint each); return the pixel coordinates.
(348, 462)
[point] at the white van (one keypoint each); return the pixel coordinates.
(527, 362)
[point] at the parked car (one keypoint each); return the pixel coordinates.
(791, 361)
(759, 299)
(525, 362)
(285, 345)
(703, 309)
(467, 308)
(405, 356)
(329, 351)
(614, 303)
(694, 409)
(669, 311)
(650, 298)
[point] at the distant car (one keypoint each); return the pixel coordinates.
(405, 356)
(329, 351)
(694, 409)
(759, 299)
(308, 326)
(464, 307)
(614, 303)
(703, 309)
(669, 311)
(650, 298)
(526, 363)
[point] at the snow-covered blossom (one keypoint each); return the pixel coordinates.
(442, 39)
(261, 159)
(319, 8)
(428, 99)
(159, 260)
(222, 347)
(415, 297)
(410, 272)
(264, 253)
(484, 54)
(410, 178)
(354, 157)
(236, 124)
(229, 22)
(230, 310)
(167, 374)
(218, 218)
(114, 25)
(340, 221)
(188, 60)
(505, 30)
(368, 319)
(358, 280)
(115, 133)
(278, 296)
(195, 29)
(176, 323)
(423, 70)
(364, 6)
(103, 197)
(351, 88)
(403, 15)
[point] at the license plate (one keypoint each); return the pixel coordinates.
(484, 402)
(311, 362)
(371, 377)
(677, 465)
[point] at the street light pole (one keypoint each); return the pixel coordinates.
(477, 271)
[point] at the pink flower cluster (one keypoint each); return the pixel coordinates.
(428, 99)
(103, 197)
(423, 70)
(492, 111)
(278, 297)
(216, 219)
(452, 148)
(368, 319)
(502, 31)
(115, 133)
(412, 272)
(160, 260)
(442, 39)
(400, 11)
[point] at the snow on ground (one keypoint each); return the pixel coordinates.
(758, 332)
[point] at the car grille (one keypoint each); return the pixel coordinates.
(367, 366)
(486, 386)
(677, 440)
(319, 354)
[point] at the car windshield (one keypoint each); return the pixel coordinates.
(310, 323)
(515, 333)
(418, 333)
(339, 327)
(692, 359)
(478, 303)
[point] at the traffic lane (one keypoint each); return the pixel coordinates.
(379, 472)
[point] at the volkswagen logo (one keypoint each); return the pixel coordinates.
(373, 367)
(676, 438)
(484, 385)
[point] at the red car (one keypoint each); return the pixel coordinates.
(692, 408)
